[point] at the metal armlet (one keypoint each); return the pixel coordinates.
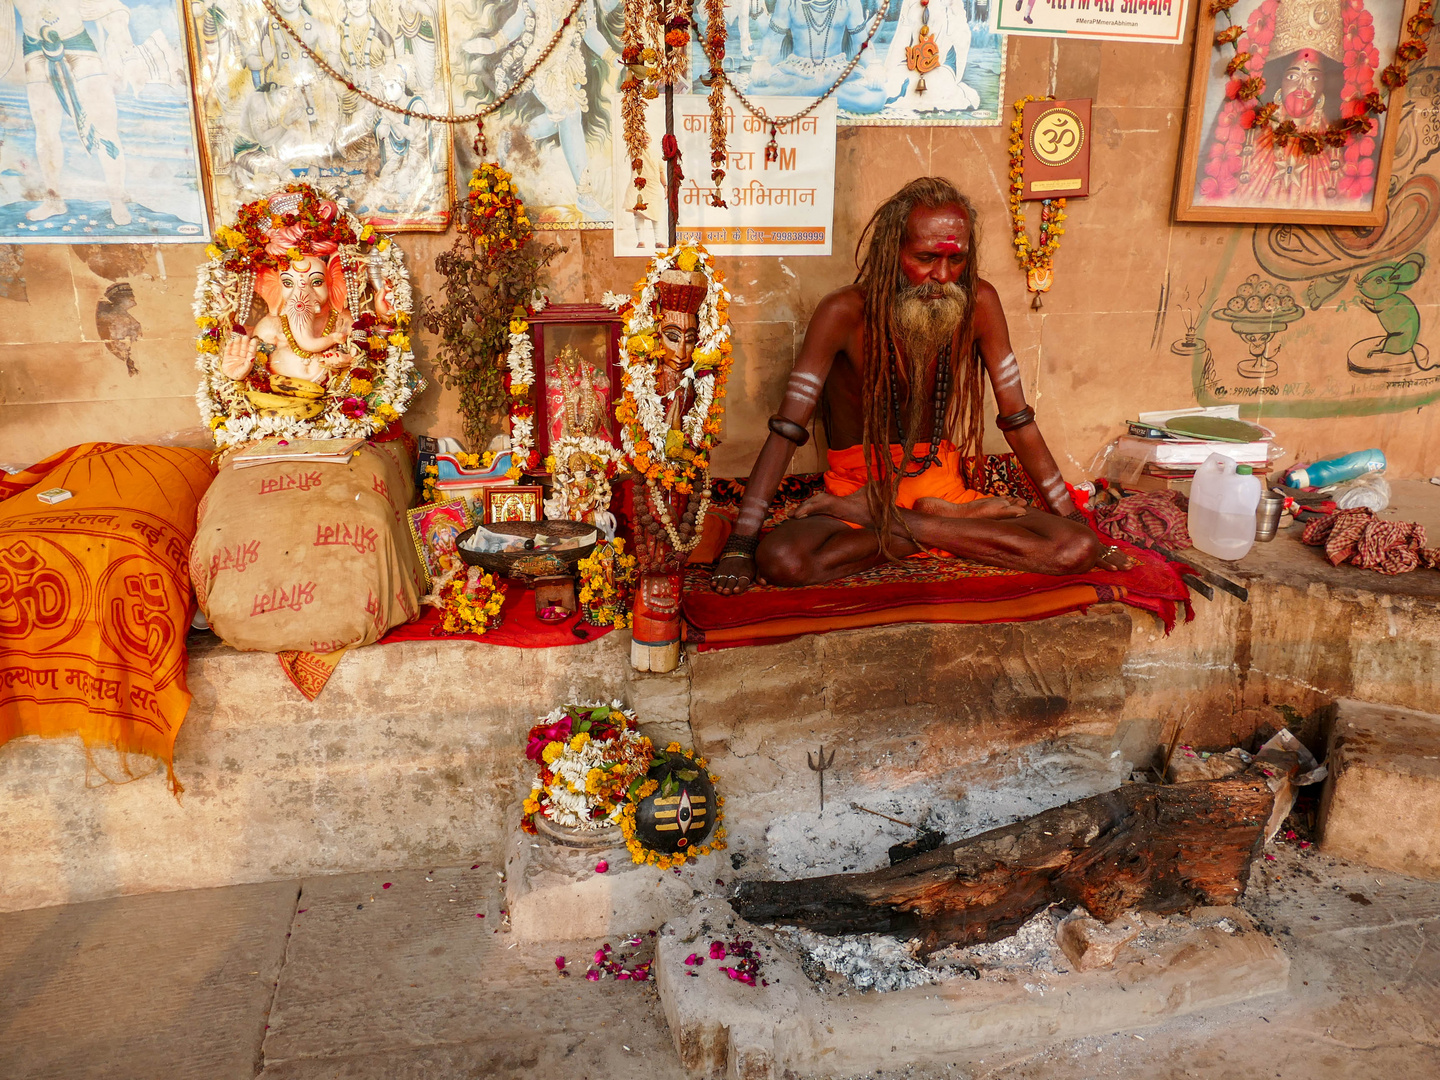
(1016, 419)
(789, 430)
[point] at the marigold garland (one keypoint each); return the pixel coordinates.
(590, 755)
(641, 413)
(1037, 262)
(1353, 133)
(655, 51)
(603, 588)
(716, 34)
(492, 272)
(472, 603)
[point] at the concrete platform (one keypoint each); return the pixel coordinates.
(1381, 804)
(411, 756)
(359, 982)
(790, 1027)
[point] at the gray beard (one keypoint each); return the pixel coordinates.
(922, 327)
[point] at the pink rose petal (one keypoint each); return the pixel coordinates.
(559, 963)
(386, 885)
(601, 866)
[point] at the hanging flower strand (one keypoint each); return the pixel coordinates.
(1036, 261)
(715, 41)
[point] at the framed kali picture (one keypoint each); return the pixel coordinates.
(513, 504)
(434, 528)
(1270, 134)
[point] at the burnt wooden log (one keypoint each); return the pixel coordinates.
(1160, 848)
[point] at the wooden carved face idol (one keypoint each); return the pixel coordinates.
(680, 295)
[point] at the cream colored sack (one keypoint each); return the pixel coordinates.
(308, 555)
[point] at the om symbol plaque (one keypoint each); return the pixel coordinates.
(1057, 149)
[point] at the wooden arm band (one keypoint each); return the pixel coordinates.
(789, 430)
(1016, 419)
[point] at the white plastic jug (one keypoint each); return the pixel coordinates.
(1223, 499)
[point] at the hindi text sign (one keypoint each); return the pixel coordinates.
(780, 207)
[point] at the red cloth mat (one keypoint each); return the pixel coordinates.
(923, 590)
(519, 629)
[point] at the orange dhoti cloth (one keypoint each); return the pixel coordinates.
(943, 480)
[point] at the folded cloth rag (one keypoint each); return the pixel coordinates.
(1157, 518)
(1360, 538)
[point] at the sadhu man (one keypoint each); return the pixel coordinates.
(894, 364)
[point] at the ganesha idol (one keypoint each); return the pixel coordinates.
(304, 313)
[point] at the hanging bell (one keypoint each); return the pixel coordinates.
(920, 86)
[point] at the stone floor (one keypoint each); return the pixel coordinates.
(342, 977)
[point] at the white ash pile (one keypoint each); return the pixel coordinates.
(883, 963)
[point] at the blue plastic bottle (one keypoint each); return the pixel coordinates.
(1337, 470)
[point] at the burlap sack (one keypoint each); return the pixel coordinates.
(308, 556)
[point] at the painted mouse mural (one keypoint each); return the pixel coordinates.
(1382, 291)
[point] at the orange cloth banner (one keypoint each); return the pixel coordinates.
(95, 597)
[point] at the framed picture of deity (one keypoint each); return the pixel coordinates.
(434, 530)
(97, 133)
(270, 114)
(555, 131)
(1290, 119)
(577, 373)
(517, 503)
(922, 61)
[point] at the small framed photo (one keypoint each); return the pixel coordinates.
(434, 528)
(1265, 124)
(513, 504)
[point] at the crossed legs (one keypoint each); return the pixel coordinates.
(820, 544)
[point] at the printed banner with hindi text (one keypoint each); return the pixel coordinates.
(1158, 22)
(781, 207)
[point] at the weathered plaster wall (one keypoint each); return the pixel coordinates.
(96, 341)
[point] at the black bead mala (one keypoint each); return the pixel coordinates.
(937, 424)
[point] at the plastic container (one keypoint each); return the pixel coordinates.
(1337, 470)
(1223, 500)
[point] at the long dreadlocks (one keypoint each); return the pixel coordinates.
(880, 276)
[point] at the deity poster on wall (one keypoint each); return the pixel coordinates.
(554, 135)
(935, 62)
(1265, 135)
(269, 115)
(95, 101)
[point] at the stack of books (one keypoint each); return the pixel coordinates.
(1153, 456)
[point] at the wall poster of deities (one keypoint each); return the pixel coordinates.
(97, 141)
(270, 115)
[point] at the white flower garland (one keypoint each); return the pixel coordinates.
(565, 502)
(222, 401)
(565, 800)
(639, 370)
(521, 362)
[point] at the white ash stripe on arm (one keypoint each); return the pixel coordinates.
(1054, 489)
(752, 516)
(1008, 377)
(804, 388)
